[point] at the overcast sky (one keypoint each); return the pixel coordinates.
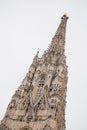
(27, 26)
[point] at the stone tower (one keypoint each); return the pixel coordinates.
(39, 103)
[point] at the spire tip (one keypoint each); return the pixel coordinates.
(65, 16)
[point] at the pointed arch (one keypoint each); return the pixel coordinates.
(47, 127)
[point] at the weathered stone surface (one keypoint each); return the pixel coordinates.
(39, 103)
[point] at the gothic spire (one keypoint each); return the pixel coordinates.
(41, 97)
(57, 43)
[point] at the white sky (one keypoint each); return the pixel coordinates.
(27, 26)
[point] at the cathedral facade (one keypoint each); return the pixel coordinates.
(40, 101)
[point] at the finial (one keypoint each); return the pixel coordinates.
(35, 58)
(64, 16)
(37, 53)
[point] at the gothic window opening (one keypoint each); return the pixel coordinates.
(42, 81)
